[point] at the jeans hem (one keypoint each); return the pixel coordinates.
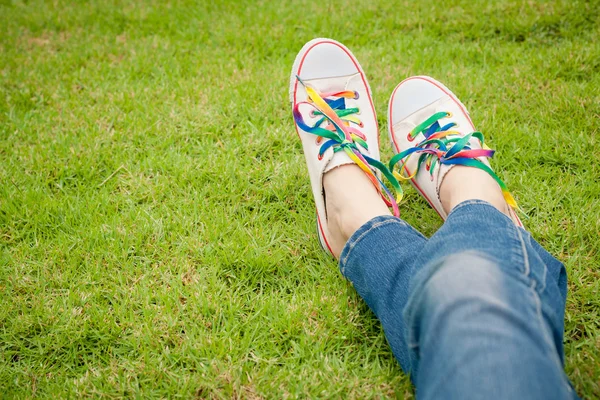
(477, 202)
(364, 231)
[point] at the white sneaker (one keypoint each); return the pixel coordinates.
(335, 119)
(431, 132)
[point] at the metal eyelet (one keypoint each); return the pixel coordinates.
(361, 125)
(356, 95)
(410, 138)
(320, 157)
(319, 140)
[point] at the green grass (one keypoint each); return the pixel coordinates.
(156, 224)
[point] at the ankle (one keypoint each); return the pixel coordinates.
(351, 201)
(343, 223)
(466, 183)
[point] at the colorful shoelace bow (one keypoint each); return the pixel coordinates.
(446, 147)
(342, 136)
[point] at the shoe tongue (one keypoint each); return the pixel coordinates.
(336, 160)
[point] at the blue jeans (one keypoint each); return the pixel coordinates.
(474, 312)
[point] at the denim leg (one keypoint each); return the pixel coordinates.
(484, 316)
(378, 260)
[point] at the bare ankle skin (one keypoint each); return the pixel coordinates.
(351, 201)
(465, 183)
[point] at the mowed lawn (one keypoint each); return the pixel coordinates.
(157, 233)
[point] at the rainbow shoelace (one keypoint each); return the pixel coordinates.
(341, 132)
(446, 147)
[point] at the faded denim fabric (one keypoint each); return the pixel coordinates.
(474, 312)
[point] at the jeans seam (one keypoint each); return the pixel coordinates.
(520, 252)
(542, 281)
(538, 302)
